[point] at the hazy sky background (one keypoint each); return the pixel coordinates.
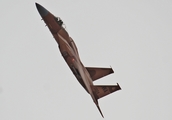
(134, 37)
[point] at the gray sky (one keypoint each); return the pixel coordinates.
(134, 37)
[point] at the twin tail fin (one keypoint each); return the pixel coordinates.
(96, 73)
(103, 90)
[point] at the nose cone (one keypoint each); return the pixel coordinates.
(42, 11)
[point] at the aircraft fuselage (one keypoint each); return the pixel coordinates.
(68, 49)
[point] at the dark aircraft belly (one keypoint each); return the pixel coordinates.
(70, 61)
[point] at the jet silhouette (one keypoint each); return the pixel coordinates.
(68, 49)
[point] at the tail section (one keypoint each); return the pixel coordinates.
(99, 91)
(103, 90)
(97, 73)
(100, 110)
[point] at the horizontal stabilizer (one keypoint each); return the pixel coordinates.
(97, 73)
(100, 110)
(103, 90)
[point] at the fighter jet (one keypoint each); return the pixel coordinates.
(69, 51)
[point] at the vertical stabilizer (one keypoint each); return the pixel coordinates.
(103, 90)
(97, 73)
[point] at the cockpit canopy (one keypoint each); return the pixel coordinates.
(59, 21)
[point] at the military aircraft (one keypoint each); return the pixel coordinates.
(68, 49)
